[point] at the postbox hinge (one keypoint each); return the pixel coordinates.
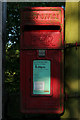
(41, 53)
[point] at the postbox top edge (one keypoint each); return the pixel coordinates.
(42, 9)
(38, 18)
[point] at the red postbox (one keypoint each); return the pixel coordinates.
(41, 60)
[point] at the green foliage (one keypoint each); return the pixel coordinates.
(12, 73)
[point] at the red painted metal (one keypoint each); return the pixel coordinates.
(34, 37)
(41, 103)
(42, 16)
(49, 17)
(42, 39)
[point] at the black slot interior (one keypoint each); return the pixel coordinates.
(41, 27)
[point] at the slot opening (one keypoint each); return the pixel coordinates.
(42, 27)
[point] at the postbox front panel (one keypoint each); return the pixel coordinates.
(42, 28)
(42, 79)
(42, 39)
(41, 60)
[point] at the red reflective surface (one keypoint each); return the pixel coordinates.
(42, 28)
(42, 15)
(51, 18)
(42, 103)
(42, 39)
